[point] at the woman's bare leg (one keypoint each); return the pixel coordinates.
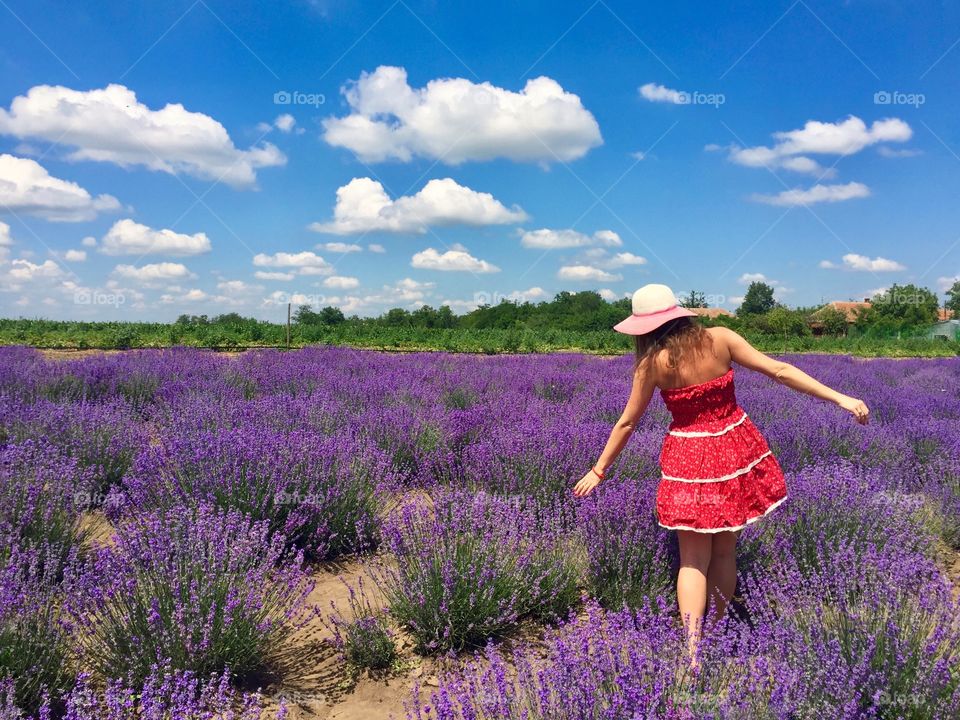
(722, 573)
(695, 553)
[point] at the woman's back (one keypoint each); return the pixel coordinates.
(694, 368)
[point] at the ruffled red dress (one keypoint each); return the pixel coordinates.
(718, 473)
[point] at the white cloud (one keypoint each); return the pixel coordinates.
(127, 237)
(237, 287)
(261, 275)
(455, 120)
(154, 273)
(363, 206)
(457, 259)
(846, 137)
(779, 289)
(625, 258)
(585, 273)
(341, 282)
(376, 248)
(27, 187)
(285, 122)
(303, 263)
(75, 255)
(340, 247)
(659, 93)
(853, 261)
(894, 153)
(26, 271)
(816, 194)
(945, 283)
(546, 238)
(608, 294)
(111, 125)
(89, 241)
(6, 239)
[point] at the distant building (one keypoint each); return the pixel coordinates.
(946, 329)
(850, 310)
(712, 313)
(944, 314)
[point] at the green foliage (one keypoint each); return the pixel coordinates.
(758, 299)
(834, 322)
(902, 306)
(953, 303)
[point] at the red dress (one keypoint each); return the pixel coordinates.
(718, 472)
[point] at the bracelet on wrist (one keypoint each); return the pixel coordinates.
(597, 472)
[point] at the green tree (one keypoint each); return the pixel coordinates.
(834, 321)
(331, 315)
(758, 299)
(904, 306)
(694, 299)
(954, 299)
(306, 316)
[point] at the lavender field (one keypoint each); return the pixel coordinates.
(331, 533)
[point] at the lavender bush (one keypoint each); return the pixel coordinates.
(323, 494)
(469, 567)
(196, 588)
(34, 649)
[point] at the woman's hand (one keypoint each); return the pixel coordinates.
(855, 407)
(587, 483)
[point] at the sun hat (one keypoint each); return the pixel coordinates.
(653, 305)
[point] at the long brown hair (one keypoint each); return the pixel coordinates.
(681, 337)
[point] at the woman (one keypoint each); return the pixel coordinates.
(717, 472)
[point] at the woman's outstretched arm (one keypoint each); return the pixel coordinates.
(743, 353)
(640, 394)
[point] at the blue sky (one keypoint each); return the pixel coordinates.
(206, 157)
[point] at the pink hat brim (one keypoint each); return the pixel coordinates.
(642, 324)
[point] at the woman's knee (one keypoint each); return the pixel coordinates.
(695, 550)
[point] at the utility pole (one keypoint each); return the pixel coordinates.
(288, 325)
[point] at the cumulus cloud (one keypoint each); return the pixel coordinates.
(26, 271)
(111, 125)
(547, 239)
(457, 259)
(363, 206)
(455, 120)
(26, 187)
(583, 273)
(779, 289)
(127, 237)
(376, 248)
(340, 247)
(659, 93)
(303, 263)
(846, 137)
(816, 194)
(264, 275)
(853, 261)
(75, 255)
(341, 282)
(154, 273)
